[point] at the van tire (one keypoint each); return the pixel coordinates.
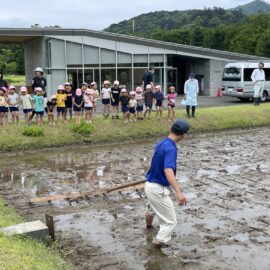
(264, 95)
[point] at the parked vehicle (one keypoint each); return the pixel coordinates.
(236, 80)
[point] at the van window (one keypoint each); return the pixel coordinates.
(247, 74)
(232, 74)
(267, 74)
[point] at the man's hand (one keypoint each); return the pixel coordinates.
(181, 198)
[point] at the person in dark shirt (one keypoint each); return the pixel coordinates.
(50, 109)
(39, 80)
(148, 77)
(69, 100)
(159, 97)
(148, 100)
(124, 100)
(3, 83)
(115, 96)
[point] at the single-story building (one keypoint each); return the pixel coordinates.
(78, 55)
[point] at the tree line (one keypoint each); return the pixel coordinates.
(249, 37)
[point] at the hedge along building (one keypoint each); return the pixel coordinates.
(78, 55)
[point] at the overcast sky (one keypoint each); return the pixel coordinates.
(92, 14)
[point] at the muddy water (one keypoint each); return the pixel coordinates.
(226, 224)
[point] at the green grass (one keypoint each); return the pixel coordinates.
(16, 80)
(107, 130)
(22, 252)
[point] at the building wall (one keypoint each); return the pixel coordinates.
(34, 55)
(87, 54)
(202, 68)
(216, 71)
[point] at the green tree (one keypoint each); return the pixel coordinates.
(263, 45)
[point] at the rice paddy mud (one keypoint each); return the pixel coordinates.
(225, 225)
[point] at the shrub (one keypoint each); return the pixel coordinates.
(33, 132)
(84, 128)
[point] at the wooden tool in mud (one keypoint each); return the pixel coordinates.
(132, 186)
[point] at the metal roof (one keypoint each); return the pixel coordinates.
(22, 35)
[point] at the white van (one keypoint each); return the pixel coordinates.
(236, 80)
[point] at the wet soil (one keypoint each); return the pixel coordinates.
(226, 224)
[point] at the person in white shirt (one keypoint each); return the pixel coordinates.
(106, 98)
(258, 79)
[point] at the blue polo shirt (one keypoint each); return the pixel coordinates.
(164, 157)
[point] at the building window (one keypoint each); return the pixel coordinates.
(108, 74)
(74, 54)
(138, 75)
(124, 59)
(91, 56)
(156, 60)
(125, 77)
(88, 75)
(140, 60)
(108, 58)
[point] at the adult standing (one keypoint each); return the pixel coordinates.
(148, 77)
(160, 178)
(39, 80)
(191, 90)
(258, 79)
(3, 83)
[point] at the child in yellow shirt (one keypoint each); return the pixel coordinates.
(61, 105)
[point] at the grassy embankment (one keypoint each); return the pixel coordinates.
(207, 120)
(16, 80)
(24, 253)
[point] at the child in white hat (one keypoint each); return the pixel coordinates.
(27, 104)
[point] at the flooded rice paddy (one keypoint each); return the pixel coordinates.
(225, 225)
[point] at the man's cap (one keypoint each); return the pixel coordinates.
(180, 127)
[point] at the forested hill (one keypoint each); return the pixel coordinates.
(167, 20)
(254, 7)
(228, 30)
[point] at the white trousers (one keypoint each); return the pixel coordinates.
(160, 204)
(258, 89)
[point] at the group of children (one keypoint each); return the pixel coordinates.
(134, 105)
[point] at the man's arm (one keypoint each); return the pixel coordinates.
(253, 76)
(172, 180)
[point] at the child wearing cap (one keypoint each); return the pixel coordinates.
(13, 104)
(50, 109)
(171, 103)
(27, 103)
(38, 101)
(95, 97)
(68, 102)
(106, 97)
(159, 97)
(84, 87)
(115, 96)
(3, 106)
(124, 101)
(148, 99)
(139, 99)
(77, 105)
(132, 107)
(61, 103)
(88, 105)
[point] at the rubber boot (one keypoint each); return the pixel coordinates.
(259, 100)
(188, 111)
(193, 111)
(255, 101)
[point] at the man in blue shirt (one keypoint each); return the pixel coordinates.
(160, 178)
(148, 77)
